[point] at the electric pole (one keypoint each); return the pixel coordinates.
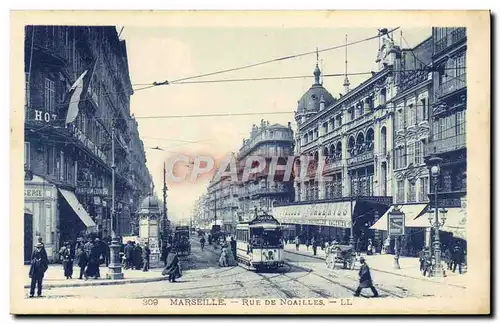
(164, 219)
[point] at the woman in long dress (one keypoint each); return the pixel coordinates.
(223, 258)
(231, 262)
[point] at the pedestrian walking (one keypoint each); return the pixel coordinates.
(146, 252)
(365, 279)
(173, 267)
(308, 243)
(128, 253)
(458, 258)
(421, 259)
(427, 262)
(66, 257)
(223, 258)
(82, 261)
(137, 257)
(314, 244)
(39, 264)
(232, 244)
(297, 243)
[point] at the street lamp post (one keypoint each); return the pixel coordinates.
(435, 170)
(115, 266)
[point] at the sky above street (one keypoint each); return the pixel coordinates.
(158, 54)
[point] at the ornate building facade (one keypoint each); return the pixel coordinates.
(448, 130)
(352, 134)
(259, 190)
(68, 167)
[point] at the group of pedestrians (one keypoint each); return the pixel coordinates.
(136, 257)
(453, 255)
(228, 254)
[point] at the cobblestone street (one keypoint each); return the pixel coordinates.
(301, 277)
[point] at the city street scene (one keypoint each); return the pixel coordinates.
(191, 165)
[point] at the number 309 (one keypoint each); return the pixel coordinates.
(150, 302)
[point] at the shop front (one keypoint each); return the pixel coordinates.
(40, 216)
(333, 220)
(74, 220)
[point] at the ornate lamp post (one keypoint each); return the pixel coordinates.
(115, 266)
(435, 171)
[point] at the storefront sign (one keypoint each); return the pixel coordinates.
(88, 143)
(92, 191)
(445, 202)
(396, 223)
(41, 115)
(36, 193)
(377, 200)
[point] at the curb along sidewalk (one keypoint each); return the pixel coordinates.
(410, 267)
(54, 277)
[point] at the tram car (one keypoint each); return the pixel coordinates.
(259, 242)
(181, 240)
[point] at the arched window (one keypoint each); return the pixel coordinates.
(351, 145)
(383, 140)
(369, 139)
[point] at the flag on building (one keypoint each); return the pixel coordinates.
(78, 92)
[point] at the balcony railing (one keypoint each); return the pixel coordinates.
(446, 144)
(453, 37)
(360, 158)
(452, 85)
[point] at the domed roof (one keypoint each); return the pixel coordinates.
(311, 99)
(150, 202)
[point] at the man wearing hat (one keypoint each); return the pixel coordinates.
(39, 264)
(67, 260)
(365, 279)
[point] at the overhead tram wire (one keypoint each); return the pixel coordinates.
(273, 60)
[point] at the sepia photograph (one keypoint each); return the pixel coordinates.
(274, 162)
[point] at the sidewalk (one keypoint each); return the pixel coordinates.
(54, 277)
(410, 266)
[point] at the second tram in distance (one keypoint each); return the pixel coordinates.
(259, 242)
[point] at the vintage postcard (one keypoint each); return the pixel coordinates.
(266, 162)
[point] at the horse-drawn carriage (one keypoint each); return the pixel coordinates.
(341, 256)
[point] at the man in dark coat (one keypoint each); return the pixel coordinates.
(145, 257)
(39, 264)
(128, 250)
(233, 247)
(458, 258)
(137, 257)
(173, 267)
(82, 260)
(87, 247)
(66, 256)
(365, 279)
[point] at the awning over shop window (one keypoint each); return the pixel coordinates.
(77, 207)
(27, 211)
(336, 214)
(456, 222)
(412, 213)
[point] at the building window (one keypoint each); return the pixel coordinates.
(26, 155)
(50, 96)
(412, 197)
(401, 191)
(422, 110)
(401, 120)
(424, 189)
(411, 153)
(419, 152)
(413, 115)
(460, 122)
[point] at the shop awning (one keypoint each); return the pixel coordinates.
(77, 207)
(411, 211)
(27, 211)
(336, 214)
(456, 222)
